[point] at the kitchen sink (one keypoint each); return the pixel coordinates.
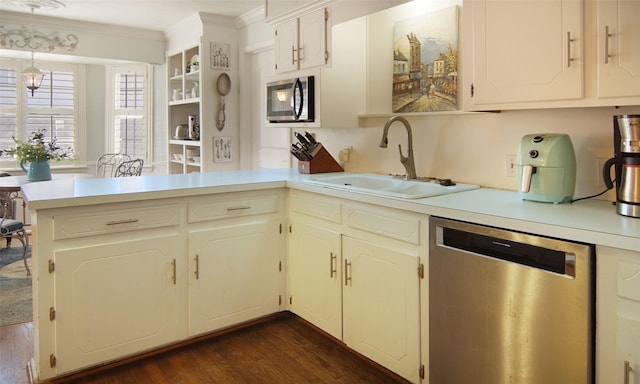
(390, 186)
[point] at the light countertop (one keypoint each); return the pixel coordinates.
(590, 221)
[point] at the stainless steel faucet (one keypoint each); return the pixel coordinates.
(409, 164)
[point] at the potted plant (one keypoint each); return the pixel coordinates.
(37, 153)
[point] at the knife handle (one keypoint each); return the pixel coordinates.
(302, 139)
(310, 137)
(332, 265)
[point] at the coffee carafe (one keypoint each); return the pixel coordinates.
(626, 163)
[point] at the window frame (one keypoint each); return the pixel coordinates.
(21, 110)
(147, 109)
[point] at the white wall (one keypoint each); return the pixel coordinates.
(471, 147)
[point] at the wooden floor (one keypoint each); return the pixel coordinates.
(16, 348)
(282, 350)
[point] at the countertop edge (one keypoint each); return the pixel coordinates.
(590, 221)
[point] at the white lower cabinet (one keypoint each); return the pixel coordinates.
(315, 275)
(381, 305)
(352, 276)
(618, 314)
(116, 299)
(234, 274)
(116, 280)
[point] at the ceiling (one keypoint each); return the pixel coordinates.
(147, 14)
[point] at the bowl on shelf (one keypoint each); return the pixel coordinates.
(177, 156)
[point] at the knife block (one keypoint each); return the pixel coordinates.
(322, 162)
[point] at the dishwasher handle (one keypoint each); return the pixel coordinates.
(536, 256)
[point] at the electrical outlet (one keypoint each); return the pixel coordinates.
(510, 165)
(345, 154)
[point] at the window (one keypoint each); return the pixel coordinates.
(129, 120)
(53, 107)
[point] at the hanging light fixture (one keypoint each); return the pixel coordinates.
(32, 76)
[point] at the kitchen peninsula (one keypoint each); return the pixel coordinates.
(122, 266)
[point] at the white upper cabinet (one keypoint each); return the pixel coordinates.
(301, 42)
(551, 54)
(312, 39)
(286, 41)
(618, 48)
(526, 50)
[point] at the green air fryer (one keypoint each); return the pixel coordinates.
(546, 168)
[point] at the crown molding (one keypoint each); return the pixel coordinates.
(248, 18)
(75, 26)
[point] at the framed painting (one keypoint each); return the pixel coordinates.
(425, 62)
(220, 55)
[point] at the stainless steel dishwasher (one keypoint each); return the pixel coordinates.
(509, 307)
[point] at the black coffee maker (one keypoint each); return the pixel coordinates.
(626, 163)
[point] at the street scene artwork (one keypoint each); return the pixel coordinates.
(425, 62)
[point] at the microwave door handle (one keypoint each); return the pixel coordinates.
(297, 109)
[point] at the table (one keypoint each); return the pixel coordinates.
(10, 187)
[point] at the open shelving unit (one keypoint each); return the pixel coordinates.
(184, 80)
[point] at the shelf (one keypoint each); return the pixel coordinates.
(193, 76)
(189, 163)
(184, 80)
(191, 100)
(409, 114)
(189, 143)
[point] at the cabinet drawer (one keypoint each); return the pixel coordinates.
(389, 223)
(317, 206)
(226, 206)
(117, 220)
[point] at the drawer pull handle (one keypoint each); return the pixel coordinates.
(197, 272)
(347, 272)
(173, 266)
(239, 208)
(126, 221)
(607, 35)
(627, 371)
(332, 265)
(569, 41)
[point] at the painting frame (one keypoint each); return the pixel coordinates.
(425, 62)
(220, 55)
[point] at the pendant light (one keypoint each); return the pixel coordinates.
(32, 76)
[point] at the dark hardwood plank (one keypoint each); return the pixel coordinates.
(284, 349)
(16, 349)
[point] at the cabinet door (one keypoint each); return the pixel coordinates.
(618, 316)
(286, 45)
(526, 50)
(116, 299)
(381, 305)
(618, 48)
(313, 39)
(315, 276)
(234, 274)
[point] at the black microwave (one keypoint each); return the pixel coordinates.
(290, 100)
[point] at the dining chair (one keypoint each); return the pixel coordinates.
(10, 227)
(109, 162)
(129, 168)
